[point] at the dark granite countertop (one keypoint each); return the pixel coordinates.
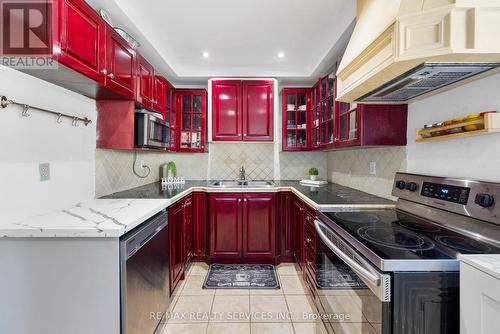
(330, 195)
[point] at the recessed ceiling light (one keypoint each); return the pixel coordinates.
(281, 54)
(205, 54)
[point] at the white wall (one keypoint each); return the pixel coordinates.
(25, 142)
(474, 157)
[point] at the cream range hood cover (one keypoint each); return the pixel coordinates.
(402, 50)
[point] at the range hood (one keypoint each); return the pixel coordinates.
(403, 50)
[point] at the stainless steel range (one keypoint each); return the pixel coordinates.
(395, 271)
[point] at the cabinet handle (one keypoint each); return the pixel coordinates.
(239, 200)
(239, 134)
(111, 75)
(246, 200)
(104, 72)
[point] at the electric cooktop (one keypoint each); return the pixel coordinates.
(392, 234)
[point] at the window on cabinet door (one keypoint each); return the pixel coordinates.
(191, 121)
(348, 122)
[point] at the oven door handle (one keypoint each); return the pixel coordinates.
(356, 267)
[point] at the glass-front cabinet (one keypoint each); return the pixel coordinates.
(313, 120)
(171, 117)
(296, 119)
(192, 120)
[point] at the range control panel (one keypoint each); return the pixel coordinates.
(446, 192)
(476, 199)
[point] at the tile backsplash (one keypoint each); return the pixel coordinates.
(295, 165)
(352, 168)
(262, 161)
(225, 160)
(114, 168)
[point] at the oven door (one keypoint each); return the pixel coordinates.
(353, 296)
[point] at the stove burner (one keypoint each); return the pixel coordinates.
(357, 217)
(463, 244)
(395, 238)
(419, 226)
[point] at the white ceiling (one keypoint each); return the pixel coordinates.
(243, 37)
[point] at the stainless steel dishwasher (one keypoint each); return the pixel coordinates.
(144, 276)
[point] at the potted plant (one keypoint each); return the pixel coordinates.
(313, 173)
(171, 169)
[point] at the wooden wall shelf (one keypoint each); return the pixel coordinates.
(491, 124)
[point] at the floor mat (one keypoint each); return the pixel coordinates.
(241, 276)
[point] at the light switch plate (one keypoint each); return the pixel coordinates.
(44, 169)
(373, 168)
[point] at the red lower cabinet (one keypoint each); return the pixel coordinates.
(259, 225)
(180, 231)
(242, 225)
(176, 244)
(298, 216)
(286, 227)
(188, 230)
(225, 225)
(200, 224)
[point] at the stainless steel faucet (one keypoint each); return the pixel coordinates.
(242, 174)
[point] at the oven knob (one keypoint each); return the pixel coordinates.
(400, 184)
(484, 200)
(412, 186)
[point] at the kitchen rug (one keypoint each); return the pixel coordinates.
(338, 276)
(241, 276)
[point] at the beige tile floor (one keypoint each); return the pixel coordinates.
(241, 311)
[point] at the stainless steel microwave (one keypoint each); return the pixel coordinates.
(150, 130)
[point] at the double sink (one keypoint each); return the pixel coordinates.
(243, 183)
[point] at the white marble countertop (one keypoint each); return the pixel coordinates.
(488, 263)
(119, 213)
(97, 218)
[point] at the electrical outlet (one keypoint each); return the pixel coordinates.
(44, 170)
(373, 168)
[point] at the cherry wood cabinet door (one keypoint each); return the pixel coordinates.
(226, 110)
(160, 95)
(298, 216)
(120, 64)
(200, 224)
(286, 228)
(145, 78)
(259, 217)
(82, 39)
(225, 225)
(192, 119)
(188, 231)
(258, 110)
(176, 242)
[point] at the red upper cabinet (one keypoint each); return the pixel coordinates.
(171, 116)
(370, 125)
(82, 39)
(145, 82)
(258, 110)
(242, 110)
(296, 119)
(227, 122)
(120, 64)
(259, 226)
(192, 119)
(160, 95)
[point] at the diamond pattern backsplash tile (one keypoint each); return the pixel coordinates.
(295, 165)
(352, 168)
(114, 168)
(225, 160)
